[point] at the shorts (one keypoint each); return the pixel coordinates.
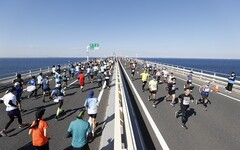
(47, 89)
(81, 84)
(14, 113)
(204, 95)
(93, 115)
(153, 92)
(144, 82)
(171, 92)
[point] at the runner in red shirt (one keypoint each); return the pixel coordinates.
(81, 80)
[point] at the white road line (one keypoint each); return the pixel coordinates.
(149, 117)
(216, 92)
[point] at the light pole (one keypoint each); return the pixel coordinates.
(88, 53)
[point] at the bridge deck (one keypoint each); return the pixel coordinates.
(217, 128)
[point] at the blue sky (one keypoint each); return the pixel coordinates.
(149, 28)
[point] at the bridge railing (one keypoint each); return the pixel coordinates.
(215, 77)
(123, 132)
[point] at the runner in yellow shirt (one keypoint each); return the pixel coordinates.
(145, 77)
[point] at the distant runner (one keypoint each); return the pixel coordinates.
(145, 77)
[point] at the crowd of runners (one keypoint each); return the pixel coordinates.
(153, 76)
(96, 70)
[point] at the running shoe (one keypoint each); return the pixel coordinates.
(23, 125)
(172, 104)
(176, 114)
(154, 105)
(92, 133)
(149, 99)
(205, 108)
(184, 126)
(3, 133)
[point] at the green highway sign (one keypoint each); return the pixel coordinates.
(93, 46)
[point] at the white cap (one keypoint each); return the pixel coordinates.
(207, 82)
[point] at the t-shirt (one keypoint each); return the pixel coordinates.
(45, 84)
(79, 128)
(81, 78)
(145, 76)
(171, 86)
(92, 105)
(20, 81)
(185, 99)
(32, 82)
(39, 79)
(153, 85)
(57, 93)
(38, 138)
(6, 98)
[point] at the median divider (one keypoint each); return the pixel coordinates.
(123, 131)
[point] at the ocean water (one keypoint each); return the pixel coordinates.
(224, 66)
(10, 66)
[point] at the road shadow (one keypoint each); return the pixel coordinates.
(159, 100)
(22, 129)
(99, 129)
(27, 146)
(29, 111)
(71, 94)
(110, 145)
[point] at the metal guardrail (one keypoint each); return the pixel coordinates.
(27, 73)
(123, 132)
(215, 77)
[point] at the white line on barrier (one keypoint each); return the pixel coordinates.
(150, 119)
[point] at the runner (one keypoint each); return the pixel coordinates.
(57, 94)
(79, 130)
(153, 87)
(190, 77)
(39, 81)
(231, 81)
(158, 74)
(107, 78)
(38, 131)
(65, 78)
(81, 79)
(72, 70)
(133, 69)
(53, 70)
(184, 100)
(99, 79)
(46, 87)
(145, 77)
(32, 87)
(59, 68)
(154, 69)
(204, 91)
(91, 104)
(18, 84)
(12, 109)
(165, 75)
(171, 86)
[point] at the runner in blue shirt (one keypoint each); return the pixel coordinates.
(78, 130)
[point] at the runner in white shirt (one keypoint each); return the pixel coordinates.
(12, 110)
(91, 104)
